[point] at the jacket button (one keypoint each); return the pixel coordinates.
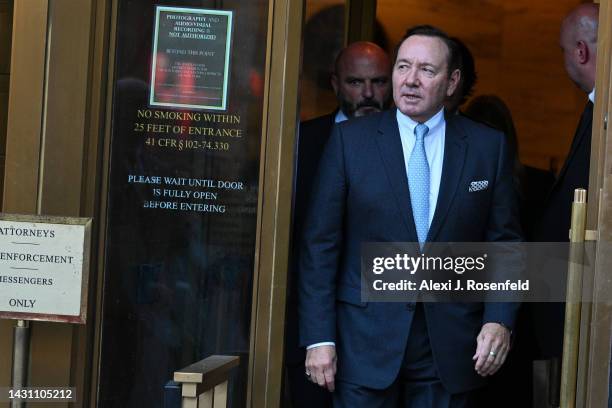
(411, 306)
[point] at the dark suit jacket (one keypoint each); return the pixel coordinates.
(534, 188)
(361, 195)
(554, 226)
(555, 221)
(311, 140)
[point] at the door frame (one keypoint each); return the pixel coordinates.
(275, 203)
(596, 319)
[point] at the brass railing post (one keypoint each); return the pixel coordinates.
(571, 335)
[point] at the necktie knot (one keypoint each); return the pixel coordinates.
(420, 131)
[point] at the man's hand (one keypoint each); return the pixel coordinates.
(321, 364)
(492, 349)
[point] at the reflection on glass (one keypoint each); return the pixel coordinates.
(182, 202)
(323, 39)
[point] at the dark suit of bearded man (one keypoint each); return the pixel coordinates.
(362, 86)
(312, 137)
(420, 354)
(554, 225)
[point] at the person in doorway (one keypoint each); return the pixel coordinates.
(404, 175)
(362, 84)
(578, 41)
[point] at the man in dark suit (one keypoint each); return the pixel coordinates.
(398, 176)
(362, 84)
(578, 41)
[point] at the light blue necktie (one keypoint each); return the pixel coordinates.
(418, 183)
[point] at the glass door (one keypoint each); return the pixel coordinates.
(183, 186)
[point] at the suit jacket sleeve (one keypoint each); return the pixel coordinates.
(321, 246)
(504, 226)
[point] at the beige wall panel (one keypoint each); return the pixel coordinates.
(4, 94)
(46, 356)
(23, 129)
(63, 145)
(64, 127)
(6, 327)
(47, 123)
(515, 44)
(6, 28)
(25, 106)
(49, 363)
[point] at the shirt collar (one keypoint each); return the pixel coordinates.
(407, 123)
(592, 96)
(340, 116)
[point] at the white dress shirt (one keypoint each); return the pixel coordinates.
(592, 96)
(340, 116)
(434, 150)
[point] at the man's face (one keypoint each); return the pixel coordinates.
(362, 84)
(420, 77)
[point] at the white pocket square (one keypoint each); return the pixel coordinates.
(478, 185)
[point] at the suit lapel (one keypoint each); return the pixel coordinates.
(392, 155)
(455, 149)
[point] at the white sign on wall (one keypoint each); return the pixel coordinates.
(43, 267)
